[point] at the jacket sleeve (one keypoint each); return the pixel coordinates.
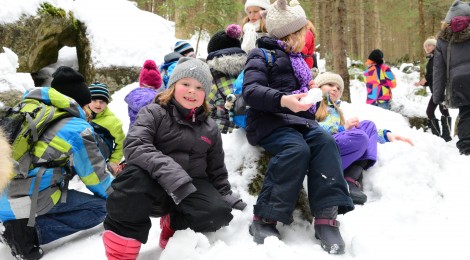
(139, 149)
(256, 90)
(118, 135)
(89, 164)
(391, 77)
(439, 75)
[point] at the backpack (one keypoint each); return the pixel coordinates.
(234, 102)
(23, 125)
(104, 139)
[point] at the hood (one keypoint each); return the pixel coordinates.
(230, 65)
(52, 97)
(447, 33)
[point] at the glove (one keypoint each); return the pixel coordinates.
(234, 202)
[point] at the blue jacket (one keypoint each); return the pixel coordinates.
(263, 88)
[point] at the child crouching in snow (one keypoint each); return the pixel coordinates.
(356, 140)
(175, 168)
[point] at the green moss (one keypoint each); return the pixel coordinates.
(75, 22)
(46, 8)
(421, 92)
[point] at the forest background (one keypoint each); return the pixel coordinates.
(344, 28)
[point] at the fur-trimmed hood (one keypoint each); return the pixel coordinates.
(229, 61)
(6, 168)
(461, 36)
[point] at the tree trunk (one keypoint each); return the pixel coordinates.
(340, 54)
(421, 32)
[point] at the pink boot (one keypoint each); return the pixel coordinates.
(120, 248)
(167, 232)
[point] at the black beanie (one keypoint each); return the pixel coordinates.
(377, 56)
(72, 84)
(225, 39)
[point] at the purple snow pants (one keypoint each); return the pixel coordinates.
(358, 144)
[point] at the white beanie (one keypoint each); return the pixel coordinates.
(329, 77)
(458, 8)
(265, 4)
(283, 19)
(430, 41)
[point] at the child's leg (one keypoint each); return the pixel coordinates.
(352, 145)
(285, 174)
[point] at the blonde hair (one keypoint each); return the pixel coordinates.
(322, 112)
(88, 113)
(6, 162)
(444, 25)
(262, 23)
(163, 98)
(295, 41)
(311, 28)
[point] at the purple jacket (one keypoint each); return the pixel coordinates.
(138, 98)
(263, 89)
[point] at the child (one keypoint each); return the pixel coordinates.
(184, 48)
(65, 148)
(106, 125)
(175, 168)
(226, 60)
(286, 128)
(253, 24)
(429, 47)
(169, 63)
(356, 140)
(379, 80)
(150, 82)
(451, 72)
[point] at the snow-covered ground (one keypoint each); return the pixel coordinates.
(417, 194)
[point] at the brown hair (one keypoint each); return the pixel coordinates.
(311, 28)
(163, 98)
(322, 112)
(295, 41)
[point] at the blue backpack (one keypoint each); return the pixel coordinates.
(236, 101)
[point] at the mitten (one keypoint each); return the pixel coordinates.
(234, 202)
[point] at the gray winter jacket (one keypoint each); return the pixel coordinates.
(174, 150)
(457, 93)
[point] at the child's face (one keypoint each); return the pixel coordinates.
(333, 90)
(429, 48)
(253, 13)
(97, 105)
(189, 93)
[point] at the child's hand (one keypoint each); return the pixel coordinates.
(393, 137)
(311, 84)
(292, 102)
(352, 122)
(420, 83)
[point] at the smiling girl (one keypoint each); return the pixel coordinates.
(175, 168)
(254, 25)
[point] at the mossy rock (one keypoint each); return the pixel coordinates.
(256, 184)
(418, 122)
(116, 77)
(421, 92)
(11, 97)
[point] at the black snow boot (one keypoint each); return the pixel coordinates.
(433, 124)
(353, 176)
(327, 230)
(263, 228)
(446, 122)
(22, 240)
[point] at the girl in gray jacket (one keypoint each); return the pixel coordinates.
(175, 168)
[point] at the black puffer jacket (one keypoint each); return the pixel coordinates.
(263, 89)
(174, 150)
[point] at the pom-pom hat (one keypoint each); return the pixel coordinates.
(183, 47)
(458, 8)
(150, 76)
(283, 19)
(228, 38)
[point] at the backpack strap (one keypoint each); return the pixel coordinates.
(269, 56)
(34, 197)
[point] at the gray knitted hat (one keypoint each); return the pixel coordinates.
(188, 67)
(283, 19)
(458, 8)
(329, 77)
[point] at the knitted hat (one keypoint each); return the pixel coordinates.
(150, 76)
(72, 84)
(260, 3)
(376, 56)
(283, 19)
(99, 91)
(458, 8)
(329, 77)
(188, 67)
(183, 47)
(430, 41)
(225, 39)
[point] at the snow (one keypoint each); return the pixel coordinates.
(416, 194)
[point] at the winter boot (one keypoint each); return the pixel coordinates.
(167, 232)
(262, 228)
(22, 240)
(433, 124)
(118, 247)
(446, 122)
(353, 176)
(327, 230)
